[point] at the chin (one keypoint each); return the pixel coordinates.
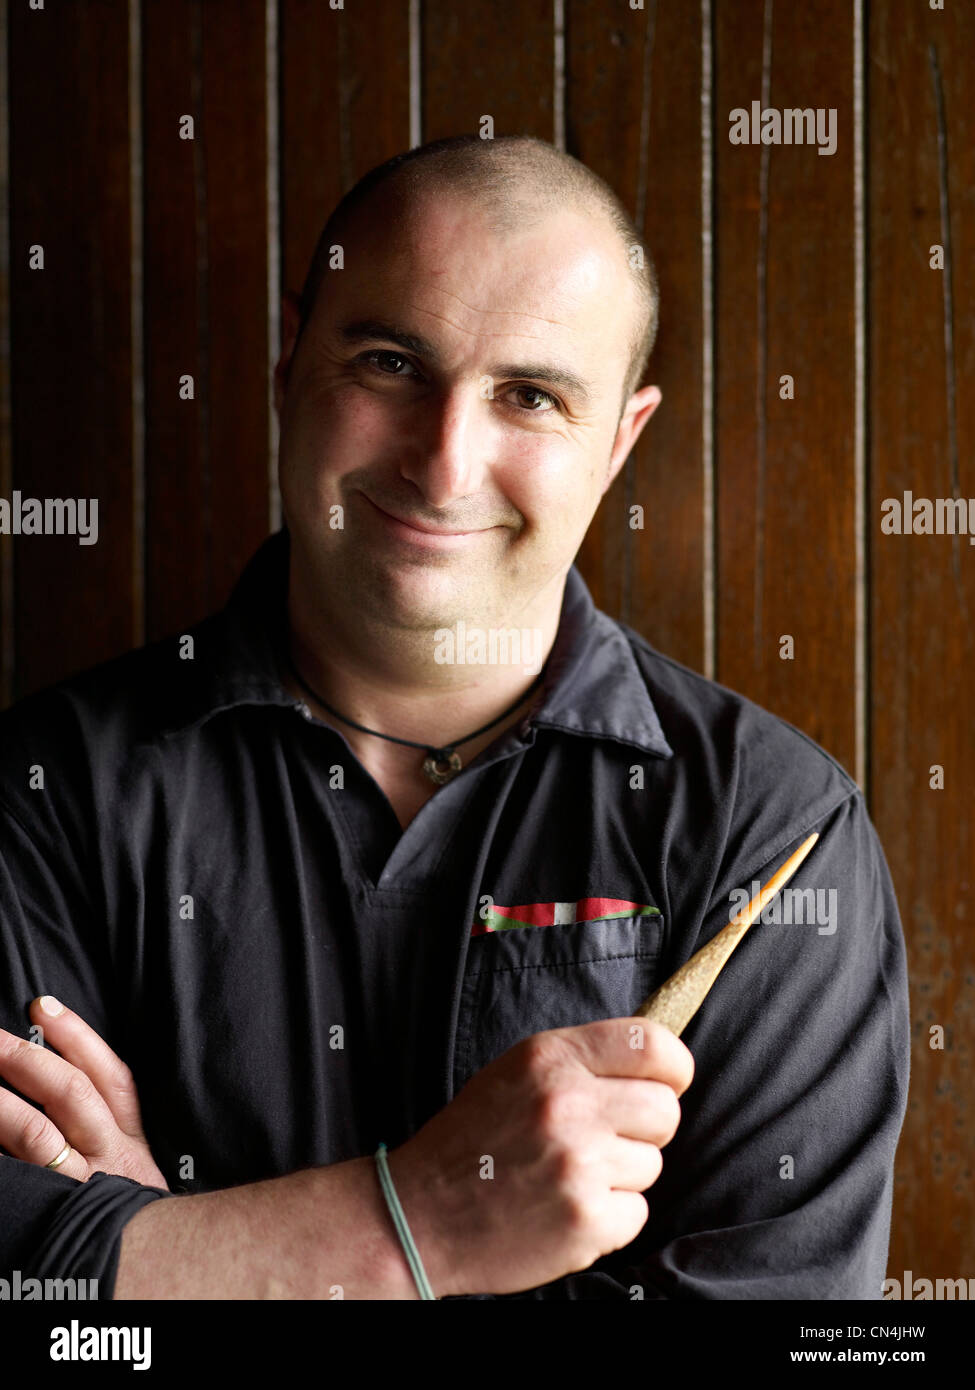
(422, 595)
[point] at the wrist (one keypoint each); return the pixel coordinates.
(350, 1244)
(424, 1206)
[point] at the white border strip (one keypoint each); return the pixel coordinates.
(558, 74)
(416, 90)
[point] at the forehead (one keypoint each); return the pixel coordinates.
(560, 282)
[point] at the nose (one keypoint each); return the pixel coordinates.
(450, 445)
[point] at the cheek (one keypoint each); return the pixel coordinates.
(549, 480)
(334, 431)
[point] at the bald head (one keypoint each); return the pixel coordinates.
(516, 181)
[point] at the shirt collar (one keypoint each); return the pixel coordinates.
(592, 684)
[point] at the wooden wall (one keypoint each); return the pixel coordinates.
(165, 257)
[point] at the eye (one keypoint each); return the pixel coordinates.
(390, 363)
(537, 391)
(387, 355)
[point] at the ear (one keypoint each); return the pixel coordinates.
(290, 322)
(638, 410)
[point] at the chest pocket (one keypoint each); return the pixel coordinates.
(530, 979)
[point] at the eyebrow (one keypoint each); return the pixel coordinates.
(363, 330)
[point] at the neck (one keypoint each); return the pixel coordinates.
(392, 687)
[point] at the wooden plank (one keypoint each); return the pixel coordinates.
(345, 107)
(480, 58)
(785, 306)
(71, 380)
(633, 81)
(206, 303)
(174, 295)
(922, 651)
(6, 459)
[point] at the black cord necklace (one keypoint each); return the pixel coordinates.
(440, 764)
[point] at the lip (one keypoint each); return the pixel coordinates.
(425, 536)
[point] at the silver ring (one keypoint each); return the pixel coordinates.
(56, 1162)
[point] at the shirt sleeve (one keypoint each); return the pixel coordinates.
(779, 1181)
(52, 1226)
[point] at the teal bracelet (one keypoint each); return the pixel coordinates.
(402, 1229)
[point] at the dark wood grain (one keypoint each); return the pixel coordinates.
(785, 305)
(633, 115)
(207, 466)
(486, 57)
(6, 452)
(922, 426)
(71, 378)
(345, 107)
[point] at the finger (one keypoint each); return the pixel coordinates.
(27, 1133)
(79, 1044)
(67, 1095)
(634, 1109)
(632, 1047)
(635, 1167)
(625, 1216)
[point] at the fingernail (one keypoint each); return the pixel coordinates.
(50, 1005)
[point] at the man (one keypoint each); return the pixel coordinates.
(329, 877)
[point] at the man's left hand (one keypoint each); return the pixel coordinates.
(89, 1101)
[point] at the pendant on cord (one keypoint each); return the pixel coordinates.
(441, 765)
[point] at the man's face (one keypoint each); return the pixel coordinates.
(461, 431)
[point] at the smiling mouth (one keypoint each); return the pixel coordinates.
(421, 528)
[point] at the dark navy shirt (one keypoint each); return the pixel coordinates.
(210, 877)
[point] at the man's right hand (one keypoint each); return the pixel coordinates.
(537, 1167)
(89, 1099)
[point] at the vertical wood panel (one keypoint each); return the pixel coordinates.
(482, 58)
(785, 299)
(207, 494)
(70, 331)
(176, 452)
(922, 425)
(234, 68)
(344, 109)
(633, 107)
(6, 460)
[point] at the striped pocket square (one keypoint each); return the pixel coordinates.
(497, 918)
